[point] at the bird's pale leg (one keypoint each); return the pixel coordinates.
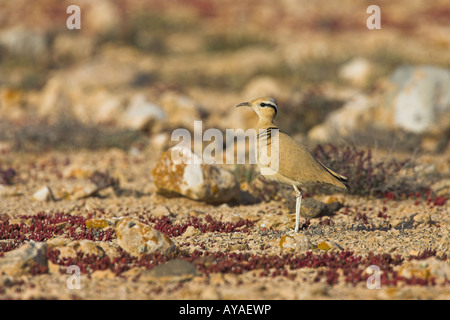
(298, 203)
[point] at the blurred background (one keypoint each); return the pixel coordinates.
(137, 70)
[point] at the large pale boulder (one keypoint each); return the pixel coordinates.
(179, 171)
(419, 98)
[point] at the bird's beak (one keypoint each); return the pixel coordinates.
(243, 104)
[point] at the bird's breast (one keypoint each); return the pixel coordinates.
(268, 151)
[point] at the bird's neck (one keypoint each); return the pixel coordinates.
(265, 123)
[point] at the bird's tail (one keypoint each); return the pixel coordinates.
(343, 180)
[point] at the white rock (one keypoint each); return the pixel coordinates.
(357, 71)
(295, 243)
(193, 176)
(43, 194)
(160, 140)
(138, 238)
(85, 191)
(343, 121)
(140, 113)
(420, 98)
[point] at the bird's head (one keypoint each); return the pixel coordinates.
(266, 108)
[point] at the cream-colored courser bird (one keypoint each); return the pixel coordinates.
(281, 158)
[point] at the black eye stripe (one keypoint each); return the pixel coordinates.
(263, 104)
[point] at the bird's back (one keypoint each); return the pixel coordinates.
(294, 164)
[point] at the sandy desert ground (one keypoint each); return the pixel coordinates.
(87, 115)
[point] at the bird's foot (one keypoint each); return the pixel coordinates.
(292, 232)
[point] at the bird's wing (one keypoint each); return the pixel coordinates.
(297, 163)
